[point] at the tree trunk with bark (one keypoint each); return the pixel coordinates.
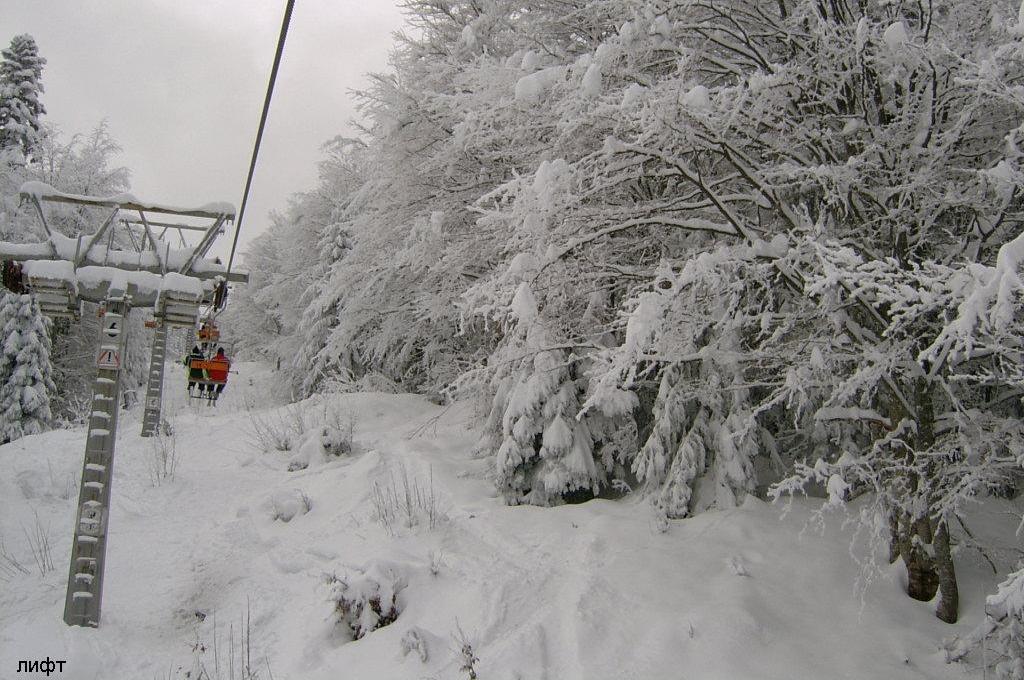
(949, 595)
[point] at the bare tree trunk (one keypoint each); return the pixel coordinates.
(922, 581)
(894, 535)
(949, 595)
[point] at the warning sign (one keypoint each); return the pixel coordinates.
(112, 325)
(108, 358)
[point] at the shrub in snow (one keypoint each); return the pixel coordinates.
(275, 429)
(286, 505)
(1001, 635)
(337, 431)
(467, 658)
(365, 599)
(319, 446)
(330, 436)
(335, 441)
(1006, 609)
(25, 369)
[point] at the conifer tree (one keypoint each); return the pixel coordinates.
(20, 86)
(25, 369)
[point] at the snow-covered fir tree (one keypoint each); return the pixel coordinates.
(21, 71)
(25, 370)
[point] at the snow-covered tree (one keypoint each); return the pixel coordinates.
(83, 164)
(743, 225)
(20, 86)
(25, 372)
(544, 451)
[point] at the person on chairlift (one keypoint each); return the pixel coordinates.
(194, 374)
(220, 374)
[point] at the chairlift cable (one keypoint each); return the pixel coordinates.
(263, 123)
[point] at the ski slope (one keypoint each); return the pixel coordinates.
(201, 577)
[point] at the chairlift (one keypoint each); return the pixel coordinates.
(64, 271)
(207, 371)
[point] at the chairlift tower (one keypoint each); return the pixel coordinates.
(63, 272)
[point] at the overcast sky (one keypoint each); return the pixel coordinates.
(181, 84)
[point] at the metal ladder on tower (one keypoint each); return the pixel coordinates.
(88, 548)
(155, 384)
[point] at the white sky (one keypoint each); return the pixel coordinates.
(181, 84)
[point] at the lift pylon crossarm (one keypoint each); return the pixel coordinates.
(39, 191)
(167, 225)
(160, 258)
(93, 240)
(51, 246)
(61, 247)
(204, 245)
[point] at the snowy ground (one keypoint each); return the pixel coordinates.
(582, 592)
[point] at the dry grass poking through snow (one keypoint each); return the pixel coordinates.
(402, 501)
(220, 658)
(38, 537)
(285, 429)
(274, 430)
(163, 459)
(10, 565)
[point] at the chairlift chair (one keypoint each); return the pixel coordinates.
(208, 373)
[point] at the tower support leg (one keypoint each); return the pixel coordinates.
(155, 383)
(88, 547)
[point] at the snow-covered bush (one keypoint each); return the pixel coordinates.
(331, 436)
(1006, 609)
(365, 599)
(999, 638)
(318, 446)
(287, 504)
(338, 431)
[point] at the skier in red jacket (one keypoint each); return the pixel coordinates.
(220, 371)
